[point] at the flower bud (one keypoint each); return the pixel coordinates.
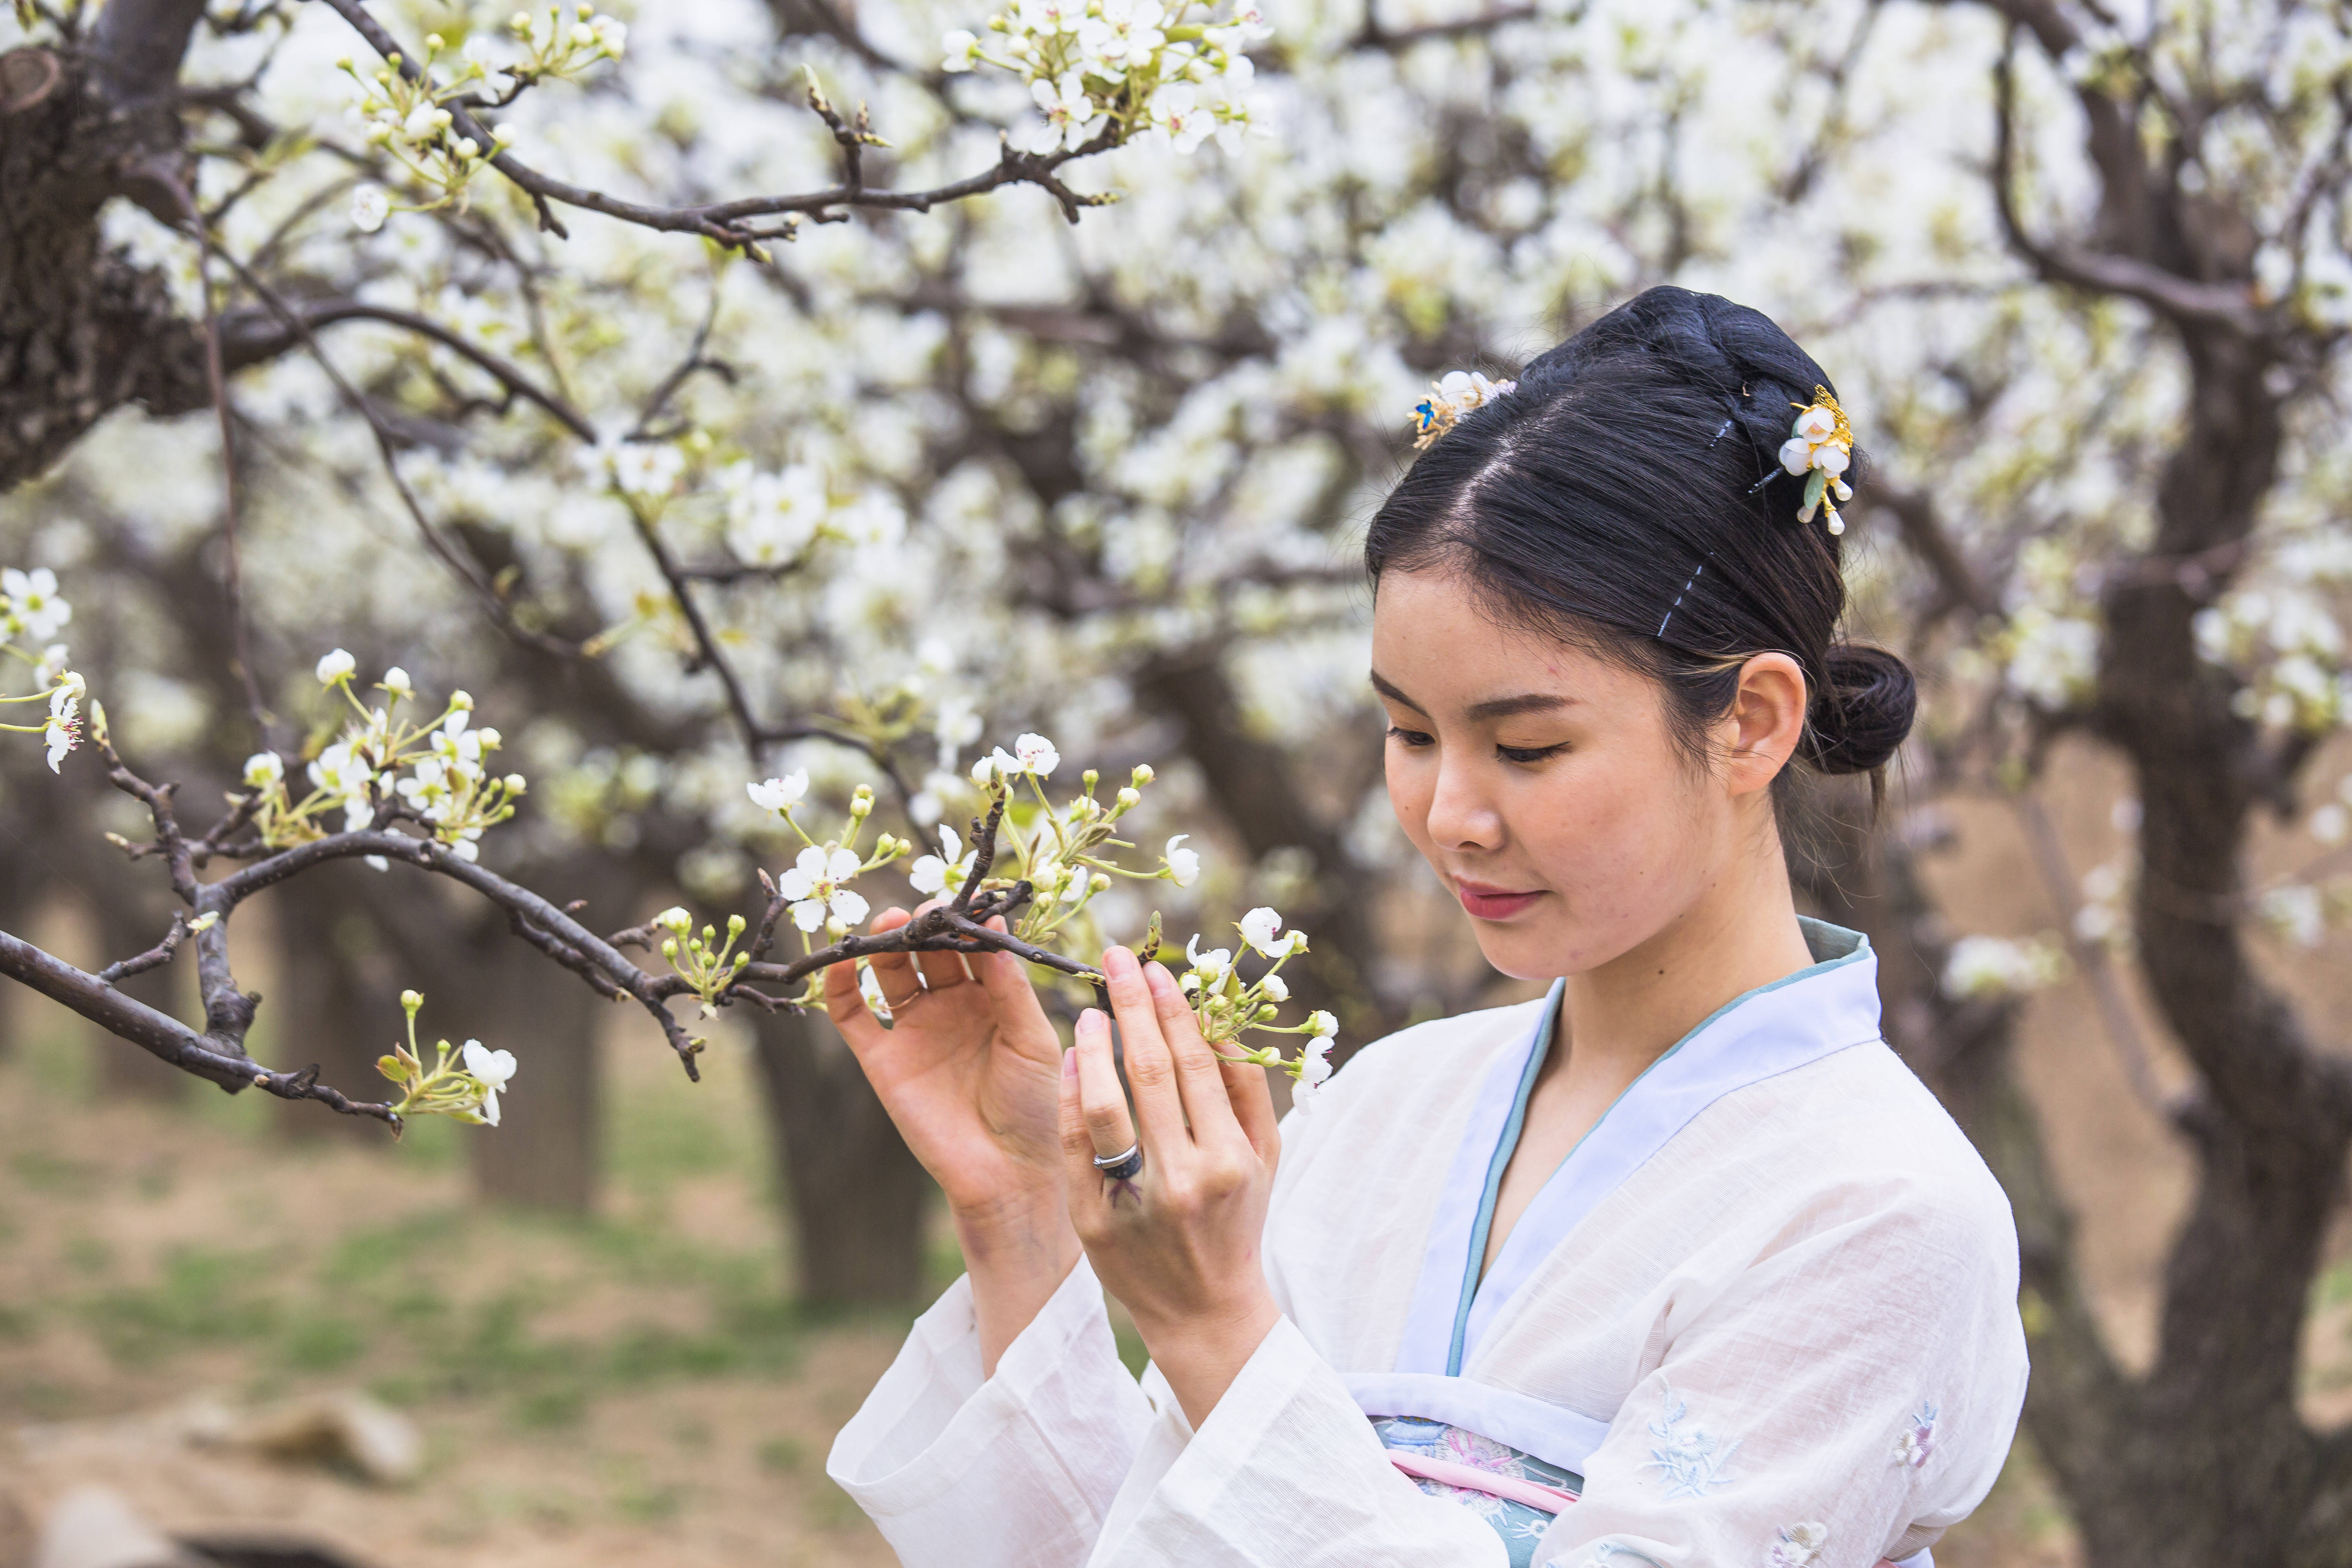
(1130, 797)
(514, 783)
(410, 1001)
(1090, 778)
(1265, 1014)
(669, 948)
(462, 699)
(836, 928)
(1143, 774)
(434, 41)
(735, 924)
(675, 919)
(1100, 882)
(709, 935)
(468, 149)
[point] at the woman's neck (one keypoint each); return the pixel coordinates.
(1740, 933)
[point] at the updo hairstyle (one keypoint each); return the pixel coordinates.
(1628, 498)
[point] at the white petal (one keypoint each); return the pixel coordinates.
(842, 865)
(808, 914)
(848, 906)
(929, 875)
(795, 884)
(811, 861)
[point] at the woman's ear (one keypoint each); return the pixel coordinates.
(1766, 723)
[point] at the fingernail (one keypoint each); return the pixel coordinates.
(1070, 1063)
(1156, 974)
(1091, 1021)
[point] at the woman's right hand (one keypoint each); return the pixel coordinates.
(970, 1071)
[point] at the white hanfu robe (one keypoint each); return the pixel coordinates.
(1764, 1315)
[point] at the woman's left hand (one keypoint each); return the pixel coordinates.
(1179, 1245)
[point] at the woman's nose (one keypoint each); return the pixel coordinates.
(1461, 815)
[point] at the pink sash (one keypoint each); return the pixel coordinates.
(1510, 1488)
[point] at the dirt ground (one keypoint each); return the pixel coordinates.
(634, 1388)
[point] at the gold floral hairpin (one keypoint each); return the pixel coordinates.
(1819, 451)
(1450, 397)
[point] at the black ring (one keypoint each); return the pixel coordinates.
(1126, 1168)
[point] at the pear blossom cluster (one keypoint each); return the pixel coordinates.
(1101, 72)
(384, 765)
(1227, 1007)
(409, 120)
(1993, 966)
(32, 610)
(703, 961)
(463, 1085)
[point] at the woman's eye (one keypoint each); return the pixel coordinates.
(1410, 737)
(1529, 753)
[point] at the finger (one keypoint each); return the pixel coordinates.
(1104, 1128)
(848, 1011)
(1004, 980)
(1220, 1097)
(893, 972)
(1151, 1068)
(940, 970)
(1083, 1183)
(1208, 1105)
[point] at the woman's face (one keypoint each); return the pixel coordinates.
(1543, 784)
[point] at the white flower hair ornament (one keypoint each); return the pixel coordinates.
(1819, 450)
(1450, 397)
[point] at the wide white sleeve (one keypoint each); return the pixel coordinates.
(1843, 1398)
(1286, 1473)
(1016, 1470)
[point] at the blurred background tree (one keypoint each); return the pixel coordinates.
(913, 482)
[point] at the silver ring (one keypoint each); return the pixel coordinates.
(1122, 1167)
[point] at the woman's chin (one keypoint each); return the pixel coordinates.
(1532, 947)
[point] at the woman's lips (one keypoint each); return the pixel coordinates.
(1493, 903)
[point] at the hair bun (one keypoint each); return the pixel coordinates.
(1863, 709)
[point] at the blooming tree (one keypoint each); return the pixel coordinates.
(819, 492)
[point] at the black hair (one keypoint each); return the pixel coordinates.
(1629, 497)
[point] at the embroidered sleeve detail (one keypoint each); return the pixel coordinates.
(1917, 1438)
(1692, 1460)
(1799, 1546)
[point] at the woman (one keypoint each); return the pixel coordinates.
(1679, 1266)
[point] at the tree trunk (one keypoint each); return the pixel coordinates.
(547, 1150)
(855, 1194)
(481, 982)
(331, 1006)
(83, 329)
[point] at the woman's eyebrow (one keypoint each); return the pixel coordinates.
(1510, 707)
(1478, 712)
(1387, 689)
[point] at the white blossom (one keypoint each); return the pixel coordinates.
(779, 794)
(264, 770)
(815, 886)
(336, 667)
(1997, 967)
(1183, 865)
(1038, 755)
(1262, 928)
(494, 1070)
(369, 207)
(33, 601)
(1314, 1067)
